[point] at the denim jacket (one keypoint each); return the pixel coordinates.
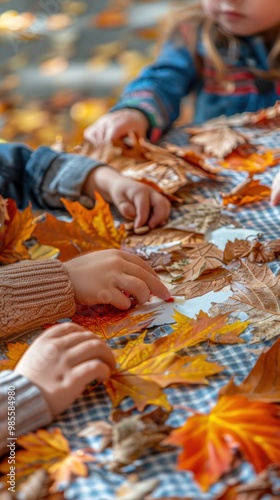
(160, 87)
(42, 176)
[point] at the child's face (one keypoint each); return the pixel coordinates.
(244, 17)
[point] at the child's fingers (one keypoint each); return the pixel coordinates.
(76, 338)
(62, 329)
(142, 207)
(137, 280)
(161, 209)
(90, 370)
(90, 349)
(137, 261)
(120, 300)
(127, 209)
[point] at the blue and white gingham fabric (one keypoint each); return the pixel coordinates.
(237, 360)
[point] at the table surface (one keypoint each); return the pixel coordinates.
(238, 360)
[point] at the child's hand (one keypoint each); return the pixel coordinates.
(102, 277)
(62, 361)
(117, 125)
(133, 199)
(275, 190)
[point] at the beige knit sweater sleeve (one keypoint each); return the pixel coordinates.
(33, 293)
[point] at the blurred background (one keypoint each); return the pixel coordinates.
(64, 63)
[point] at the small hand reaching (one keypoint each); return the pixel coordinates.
(102, 278)
(62, 361)
(116, 125)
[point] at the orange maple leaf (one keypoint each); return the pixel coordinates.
(17, 228)
(109, 322)
(98, 221)
(90, 230)
(143, 369)
(255, 163)
(209, 441)
(250, 192)
(49, 451)
(15, 350)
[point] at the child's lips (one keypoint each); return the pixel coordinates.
(231, 15)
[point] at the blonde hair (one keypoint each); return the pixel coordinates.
(213, 35)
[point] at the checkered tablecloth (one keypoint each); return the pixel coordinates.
(238, 360)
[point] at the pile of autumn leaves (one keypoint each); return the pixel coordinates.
(244, 424)
(245, 419)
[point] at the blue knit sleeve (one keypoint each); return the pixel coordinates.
(42, 176)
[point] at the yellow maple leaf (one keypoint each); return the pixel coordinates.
(48, 450)
(16, 229)
(15, 350)
(206, 328)
(143, 369)
(98, 221)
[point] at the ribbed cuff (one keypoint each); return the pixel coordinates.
(25, 403)
(33, 293)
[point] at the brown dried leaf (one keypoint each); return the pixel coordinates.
(130, 435)
(198, 217)
(161, 237)
(261, 485)
(256, 291)
(166, 167)
(209, 281)
(36, 487)
(201, 256)
(266, 329)
(136, 491)
(255, 250)
(194, 158)
(218, 142)
(263, 381)
(168, 177)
